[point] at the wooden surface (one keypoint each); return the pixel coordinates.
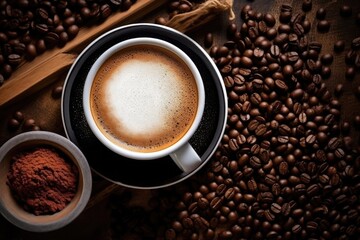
(94, 222)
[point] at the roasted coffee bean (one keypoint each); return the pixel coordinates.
(339, 46)
(255, 162)
(56, 92)
(269, 216)
(159, 20)
(350, 73)
(275, 51)
(216, 203)
(13, 124)
(269, 19)
(281, 85)
(285, 16)
(230, 193)
(209, 39)
(327, 59)
(306, 5)
(275, 208)
(270, 179)
(338, 89)
(345, 11)
(283, 168)
(321, 14)
(355, 43)
(323, 26)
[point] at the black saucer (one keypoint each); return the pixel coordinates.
(137, 173)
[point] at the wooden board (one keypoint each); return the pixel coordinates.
(45, 68)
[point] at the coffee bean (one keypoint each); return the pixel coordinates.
(252, 185)
(306, 5)
(270, 179)
(29, 124)
(269, 216)
(283, 168)
(209, 39)
(338, 89)
(313, 189)
(327, 59)
(357, 121)
(56, 92)
(281, 85)
(296, 229)
(216, 203)
(339, 46)
(269, 19)
(255, 162)
(323, 26)
(355, 43)
(345, 11)
(19, 116)
(221, 189)
(275, 208)
(158, 20)
(321, 14)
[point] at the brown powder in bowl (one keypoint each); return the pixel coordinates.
(42, 180)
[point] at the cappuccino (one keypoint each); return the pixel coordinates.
(144, 98)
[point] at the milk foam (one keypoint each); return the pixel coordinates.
(144, 98)
(141, 98)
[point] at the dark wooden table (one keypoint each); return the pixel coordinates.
(95, 222)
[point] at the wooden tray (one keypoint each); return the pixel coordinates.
(46, 68)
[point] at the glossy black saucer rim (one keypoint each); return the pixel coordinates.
(136, 173)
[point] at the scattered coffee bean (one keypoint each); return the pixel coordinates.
(306, 5)
(338, 89)
(339, 46)
(358, 18)
(350, 73)
(56, 92)
(321, 14)
(13, 124)
(160, 20)
(357, 121)
(357, 91)
(19, 116)
(327, 59)
(355, 43)
(323, 26)
(345, 11)
(208, 41)
(29, 124)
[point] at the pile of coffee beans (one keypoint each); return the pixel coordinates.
(177, 7)
(286, 167)
(30, 27)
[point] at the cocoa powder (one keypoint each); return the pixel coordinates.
(42, 180)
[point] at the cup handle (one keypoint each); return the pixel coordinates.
(186, 158)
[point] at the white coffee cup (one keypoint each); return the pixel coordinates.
(135, 89)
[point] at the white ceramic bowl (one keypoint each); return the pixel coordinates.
(15, 213)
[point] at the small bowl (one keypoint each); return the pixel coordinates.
(15, 213)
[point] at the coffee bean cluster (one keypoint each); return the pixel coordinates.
(177, 7)
(285, 168)
(18, 121)
(30, 27)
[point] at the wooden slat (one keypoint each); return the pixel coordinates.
(32, 76)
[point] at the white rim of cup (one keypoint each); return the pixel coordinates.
(126, 152)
